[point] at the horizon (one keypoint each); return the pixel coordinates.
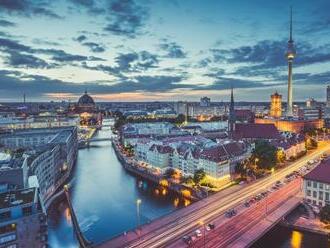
(148, 51)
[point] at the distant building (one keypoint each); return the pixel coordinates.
(310, 113)
(292, 125)
(328, 96)
(276, 105)
(317, 184)
(254, 131)
(87, 110)
(22, 220)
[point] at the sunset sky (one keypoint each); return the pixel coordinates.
(131, 50)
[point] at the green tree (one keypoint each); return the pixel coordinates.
(170, 172)
(240, 169)
(180, 119)
(264, 155)
(325, 214)
(199, 175)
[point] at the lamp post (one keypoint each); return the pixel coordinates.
(138, 203)
(203, 226)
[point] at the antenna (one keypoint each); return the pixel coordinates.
(291, 24)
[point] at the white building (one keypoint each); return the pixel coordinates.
(316, 184)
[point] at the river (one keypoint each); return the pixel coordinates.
(104, 197)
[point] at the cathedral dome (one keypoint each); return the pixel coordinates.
(86, 99)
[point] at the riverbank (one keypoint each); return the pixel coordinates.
(130, 165)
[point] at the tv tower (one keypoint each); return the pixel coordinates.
(290, 55)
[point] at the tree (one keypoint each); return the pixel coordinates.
(264, 155)
(170, 172)
(325, 214)
(199, 175)
(240, 169)
(280, 156)
(180, 119)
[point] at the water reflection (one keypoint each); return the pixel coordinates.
(296, 239)
(283, 237)
(104, 198)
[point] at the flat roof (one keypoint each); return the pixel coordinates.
(17, 197)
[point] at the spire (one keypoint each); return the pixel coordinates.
(232, 117)
(290, 40)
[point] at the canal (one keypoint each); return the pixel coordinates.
(104, 197)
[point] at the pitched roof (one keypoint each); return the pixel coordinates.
(321, 173)
(256, 131)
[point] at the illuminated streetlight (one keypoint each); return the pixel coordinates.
(202, 223)
(138, 203)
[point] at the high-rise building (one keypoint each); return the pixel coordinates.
(328, 96)
(290, 55)
(276, 105)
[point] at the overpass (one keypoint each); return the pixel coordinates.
(169, 230)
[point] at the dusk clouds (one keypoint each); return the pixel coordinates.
(161, 49)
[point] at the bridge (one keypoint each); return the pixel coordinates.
(83, 242)
(239, 231)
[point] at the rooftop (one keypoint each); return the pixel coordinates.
(321, 173)
(256, 131)
(18, 197)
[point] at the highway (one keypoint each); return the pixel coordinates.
(215, 206)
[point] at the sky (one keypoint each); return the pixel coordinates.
(161, 50)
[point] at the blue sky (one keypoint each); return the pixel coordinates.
(145, 50)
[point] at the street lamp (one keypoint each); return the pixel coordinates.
(202, 223)
(138, 203)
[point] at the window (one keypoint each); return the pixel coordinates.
(320, 195)
(7, 238)
(314, 194)
(308, 193)
(27, 211)
(309, 183)
(314, 184)
(321, 185)
(326, 196)
(5, 215)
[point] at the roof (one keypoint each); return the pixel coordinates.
(321, 173)
(85, 99)
(256, 131)
(18, 197)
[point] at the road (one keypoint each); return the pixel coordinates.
(174, 227)
(231, 229)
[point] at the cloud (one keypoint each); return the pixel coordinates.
(13, 83)
(93, 47)
(20, 53)
(27, 8)
(126, 18)
(4, 23)
(19, 60)
(173, 49)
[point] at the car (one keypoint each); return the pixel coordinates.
(247, 204)
(198, 233)
(207, 228)
(187, 239)
(211, 226)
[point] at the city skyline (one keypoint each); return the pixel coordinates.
(169, 50)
